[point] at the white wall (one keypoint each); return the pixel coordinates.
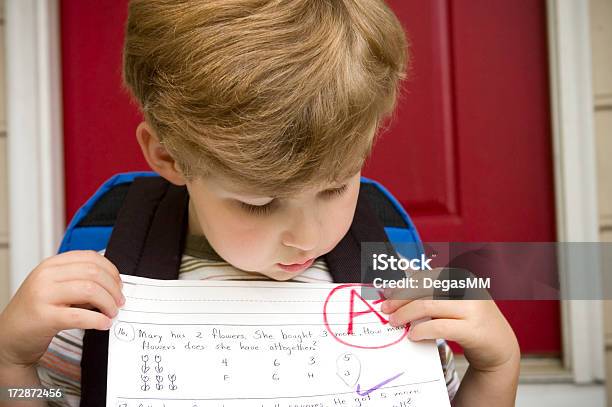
(601, 40)
(4, 243)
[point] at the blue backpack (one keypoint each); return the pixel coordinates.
(141, 220)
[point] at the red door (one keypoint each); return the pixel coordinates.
(468, 155)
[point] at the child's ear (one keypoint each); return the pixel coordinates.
(157, 156)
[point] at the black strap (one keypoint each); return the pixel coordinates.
(148, 241)
(345, 260)
(153, 216)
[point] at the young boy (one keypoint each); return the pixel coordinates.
(265, 110)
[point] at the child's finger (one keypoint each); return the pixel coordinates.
(398, 297)
(89, 272)
(83, 256)
(84, 292)
(84, 306)
(418, 309)
(72, 317)
(449, 329)
(390, 306)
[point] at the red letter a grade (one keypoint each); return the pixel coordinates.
(353, 313)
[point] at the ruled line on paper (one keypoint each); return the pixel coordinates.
(275, 397)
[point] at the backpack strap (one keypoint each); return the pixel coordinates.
(345, 260)
(148, 241)
(149, 234)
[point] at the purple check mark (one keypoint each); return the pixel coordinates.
(379, 385)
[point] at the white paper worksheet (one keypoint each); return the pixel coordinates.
(188, 343)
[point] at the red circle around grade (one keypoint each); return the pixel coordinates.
(340, 287)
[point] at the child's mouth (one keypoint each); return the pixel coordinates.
(293, 268)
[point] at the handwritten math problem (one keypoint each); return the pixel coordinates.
(266, 344)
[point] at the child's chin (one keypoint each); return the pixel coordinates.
(280, 275)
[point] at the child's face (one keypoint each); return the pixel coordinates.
(289, 231)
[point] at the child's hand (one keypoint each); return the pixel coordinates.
(477, 325)
(58, 294)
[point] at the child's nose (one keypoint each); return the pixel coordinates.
(304, 231)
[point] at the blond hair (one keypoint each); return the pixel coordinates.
(276, 95)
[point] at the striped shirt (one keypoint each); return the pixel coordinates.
(60, 366)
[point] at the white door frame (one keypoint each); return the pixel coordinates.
(34, 134)
(35, 145)
(575, 179)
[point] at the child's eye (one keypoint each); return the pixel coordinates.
(336, 191)
(267, 208)
(257, 209)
